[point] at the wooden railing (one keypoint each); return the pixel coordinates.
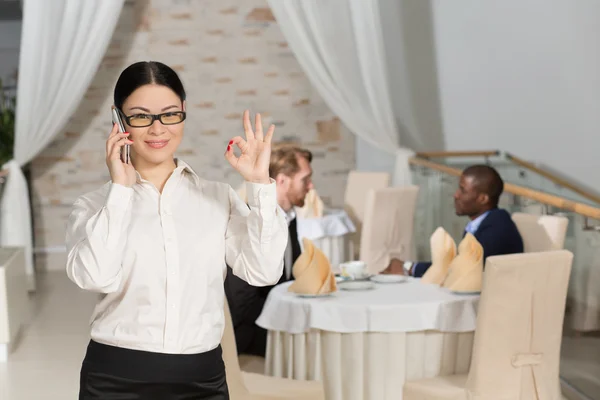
(551, 177)
(517, 161)
(540, 197)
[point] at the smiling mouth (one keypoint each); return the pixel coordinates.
(157, 144)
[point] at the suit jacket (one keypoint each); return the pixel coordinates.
(246, 301)
(497, 234)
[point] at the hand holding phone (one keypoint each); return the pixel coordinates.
(117, 154)
(116, 118)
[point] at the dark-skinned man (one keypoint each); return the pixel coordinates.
(477, 197)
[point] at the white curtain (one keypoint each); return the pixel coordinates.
(62, 44)
(339, 44)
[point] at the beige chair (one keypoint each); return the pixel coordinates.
(541, 232)
(388, 226)
(357, 187)
(516, 347)
(251, 386)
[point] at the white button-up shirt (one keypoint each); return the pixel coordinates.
(288, 255)
(160, 259)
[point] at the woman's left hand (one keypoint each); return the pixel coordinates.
(253, 163)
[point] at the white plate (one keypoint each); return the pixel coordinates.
(388, 278)
(356, 285)
(313, 296)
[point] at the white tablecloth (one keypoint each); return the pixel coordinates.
(403, 307)
(329, 234)
(334, 222)
(365, 345)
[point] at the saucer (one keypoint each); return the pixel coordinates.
(465, 293)
(389, 278)
(356, 285)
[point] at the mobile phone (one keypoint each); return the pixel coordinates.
(116, 118)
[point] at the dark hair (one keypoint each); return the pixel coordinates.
(284, 159)
(487, 180)
(144, 73)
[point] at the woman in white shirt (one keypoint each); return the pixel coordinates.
(155, 242)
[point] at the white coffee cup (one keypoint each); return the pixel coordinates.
(354, 269)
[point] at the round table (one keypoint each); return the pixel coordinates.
(330, 234)
(366, 344)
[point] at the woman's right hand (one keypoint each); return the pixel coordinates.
(121, 173)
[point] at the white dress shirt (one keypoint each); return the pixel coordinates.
(288, 255)
(160, 259)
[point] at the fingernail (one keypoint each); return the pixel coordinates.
(125, 133)
(230, 142)
(228, 148)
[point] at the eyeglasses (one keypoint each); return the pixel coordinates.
(143, 120)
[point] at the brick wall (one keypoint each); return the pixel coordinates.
(231, 55)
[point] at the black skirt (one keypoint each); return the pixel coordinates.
(110, 372)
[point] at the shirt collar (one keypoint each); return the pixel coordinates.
(180, 166)
(289, 215)
(473, 225)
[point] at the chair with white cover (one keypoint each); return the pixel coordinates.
(516, 348)
(355, 198)
(252, 386)
(388, 226)
(541, 232)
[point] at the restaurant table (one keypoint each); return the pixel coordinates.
(363, 345)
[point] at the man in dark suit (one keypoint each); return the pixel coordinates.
(291, 170)
(477, 197)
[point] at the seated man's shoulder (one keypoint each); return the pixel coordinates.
(501, 218)
(500, 222)
(500, 214)
(503, 228)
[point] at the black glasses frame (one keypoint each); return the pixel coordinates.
(154, 117)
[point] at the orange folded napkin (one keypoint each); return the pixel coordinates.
(312, 272)
(465, 273)
(313, 206)
(443, 251)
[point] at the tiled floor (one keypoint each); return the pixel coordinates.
(46, 362)
(580, 364)
(45, 365)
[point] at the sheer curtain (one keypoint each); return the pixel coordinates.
(62, 44)
(339, 45)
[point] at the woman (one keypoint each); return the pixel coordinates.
(155, 241)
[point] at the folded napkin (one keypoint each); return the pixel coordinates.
(465, 273)
(312, 272)
(313, 206)
(443, 251)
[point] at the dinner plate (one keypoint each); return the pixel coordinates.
(388, 278)
(356, 285)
